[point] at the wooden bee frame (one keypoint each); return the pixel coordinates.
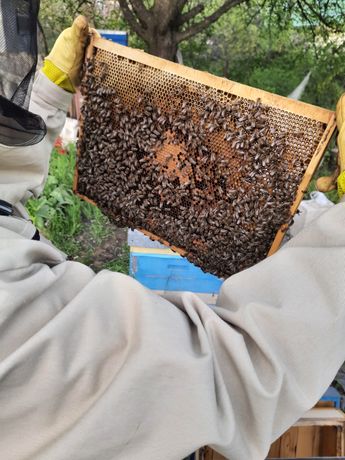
(316, 124)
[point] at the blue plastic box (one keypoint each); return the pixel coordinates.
(116, 36)
(332, 394)
(163, 270)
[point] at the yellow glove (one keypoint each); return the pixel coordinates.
(326, 184)
(63, 65)
(340, 111)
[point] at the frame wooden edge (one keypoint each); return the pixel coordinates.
(180, 251)
(85, 198)
(280, 102)
(302, 188)
(89, 50)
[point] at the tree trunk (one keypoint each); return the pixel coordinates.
(164, 46)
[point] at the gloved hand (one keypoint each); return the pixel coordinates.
(341, 144)
(63, 65)
(325, 184)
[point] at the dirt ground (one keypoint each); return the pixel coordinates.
(111, 248)
(108, 251)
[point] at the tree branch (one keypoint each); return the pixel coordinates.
(190, 14)
(319, 15)
(199, 26)
(130, 18)
(306, 17)
(80, 4)
(140, 10)
(254, 15)
(181, 3)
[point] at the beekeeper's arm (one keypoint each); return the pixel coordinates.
(97, 366)
(51, 96)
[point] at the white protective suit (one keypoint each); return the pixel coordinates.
(97, 367)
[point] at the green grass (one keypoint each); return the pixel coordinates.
(74, 226)
(121, 263)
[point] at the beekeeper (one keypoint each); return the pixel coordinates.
(99, 367)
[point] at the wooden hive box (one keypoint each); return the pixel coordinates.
(320, 433)
(213, 168)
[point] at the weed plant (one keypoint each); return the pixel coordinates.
(73, 225)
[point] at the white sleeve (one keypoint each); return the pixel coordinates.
(50, 102)
(97, 366)
(23, 170)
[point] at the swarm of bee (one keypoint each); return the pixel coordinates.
(209, 177)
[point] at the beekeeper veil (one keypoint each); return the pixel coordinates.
(18, 59)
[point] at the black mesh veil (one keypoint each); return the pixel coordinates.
(18, 59)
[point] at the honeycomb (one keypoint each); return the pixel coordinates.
(212, 173)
